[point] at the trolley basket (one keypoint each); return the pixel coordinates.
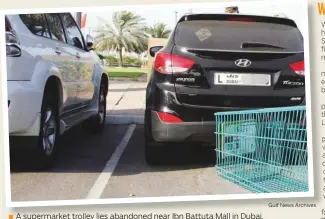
(263, 150)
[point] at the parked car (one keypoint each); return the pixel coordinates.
(55, 82)
(219, 62)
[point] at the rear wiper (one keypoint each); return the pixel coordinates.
(256, 45)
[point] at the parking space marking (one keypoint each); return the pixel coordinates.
(99, 186)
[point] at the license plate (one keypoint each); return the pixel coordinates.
(242, 79)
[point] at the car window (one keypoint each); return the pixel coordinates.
(230, 35)
(72, 30)
(36, 23)
(56, 29)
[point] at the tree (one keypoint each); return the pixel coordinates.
(127, 33)
(158, 30)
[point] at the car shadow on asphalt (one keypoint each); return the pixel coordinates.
(175, 158)
(81, 152)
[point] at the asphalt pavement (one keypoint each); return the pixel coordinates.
(112, 165)
(82, 169)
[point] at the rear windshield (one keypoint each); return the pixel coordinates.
(230, 35)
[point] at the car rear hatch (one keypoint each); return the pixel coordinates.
(237, 61)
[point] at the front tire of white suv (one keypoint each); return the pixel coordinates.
(47, 149)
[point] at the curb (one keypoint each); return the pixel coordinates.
(141, 78)
(124, 119)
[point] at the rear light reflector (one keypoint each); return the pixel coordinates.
(166, 63)
(298, 68)
(169, 118)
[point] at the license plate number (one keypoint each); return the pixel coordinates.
(242, 79)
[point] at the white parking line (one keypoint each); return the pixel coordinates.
(124, 119)
(99, 186)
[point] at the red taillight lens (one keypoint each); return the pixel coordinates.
(8, 26)
(298, 67)
(169, 118)
(166, 63)
(12, 41)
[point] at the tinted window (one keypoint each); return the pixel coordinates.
(73, 32)
(55, 27)
(36, 23)
(230, 35)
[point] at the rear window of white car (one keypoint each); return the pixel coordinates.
(36, 23)
(230, 35)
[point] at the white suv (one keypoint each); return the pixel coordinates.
(55, 82)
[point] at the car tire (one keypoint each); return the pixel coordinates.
(153, 154)
(97, 123)
(47, 148)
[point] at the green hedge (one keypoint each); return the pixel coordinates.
(111, 59)
(131, 60)
(127, 60)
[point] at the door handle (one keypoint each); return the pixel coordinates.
(77, 55)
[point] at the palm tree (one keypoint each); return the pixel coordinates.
(158, 30)
(127, 33)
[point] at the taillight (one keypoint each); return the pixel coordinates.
(169, 118)
(298, 68)
(12, 42)
(8, 26)
(166, 63)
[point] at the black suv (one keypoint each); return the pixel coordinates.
(220, 62)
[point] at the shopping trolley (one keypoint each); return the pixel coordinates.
(264, 150)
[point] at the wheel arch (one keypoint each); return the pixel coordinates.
(54, 84)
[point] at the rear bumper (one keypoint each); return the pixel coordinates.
(186, 132)
(197, 132)
(24, 117)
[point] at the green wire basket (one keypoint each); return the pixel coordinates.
(264, 150)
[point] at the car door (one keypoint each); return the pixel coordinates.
(84, 61)
(64, 60)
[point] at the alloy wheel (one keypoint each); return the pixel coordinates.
(49, 131)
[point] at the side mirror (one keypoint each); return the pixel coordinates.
(89, 42)
(153, 50)
(101, 56)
